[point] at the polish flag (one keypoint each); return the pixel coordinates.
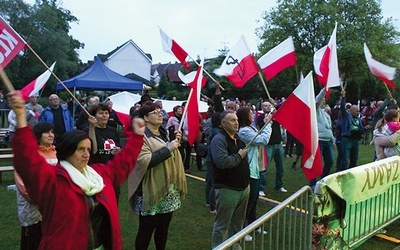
(33, 87)
(326, 64)
(192, 119)
(11, 43)
(189, 78)
(380, 70)
(300, 106)
(172, 47)
(277, 59)
(239, 66)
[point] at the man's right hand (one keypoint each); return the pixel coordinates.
(242, 152)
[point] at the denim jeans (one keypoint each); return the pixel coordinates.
(326, 148)
(274, 152)
(350, 152)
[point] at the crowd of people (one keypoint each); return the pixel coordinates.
(69, 169)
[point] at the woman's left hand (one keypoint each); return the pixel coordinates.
(92, 121)
(139, 126)
(16, 103)
(178, 135)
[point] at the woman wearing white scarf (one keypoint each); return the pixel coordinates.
(77, 201)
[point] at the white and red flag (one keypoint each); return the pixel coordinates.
(380, 70)
(326, 64)
(277, 59)
(239, 65)
(189, 78)
(33, 87)
(11, 43)
(192, 119)
(172, 47)
(300, 106)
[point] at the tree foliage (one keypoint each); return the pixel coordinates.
(311, 22)
(45, 27)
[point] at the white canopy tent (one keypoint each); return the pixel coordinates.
(123, 101)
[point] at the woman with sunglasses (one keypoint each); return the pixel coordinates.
(157, 184)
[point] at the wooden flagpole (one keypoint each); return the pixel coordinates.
(259, 132)
(58, 79)
(205, 71)
(263, 82)
(185, 110)
(6, 81)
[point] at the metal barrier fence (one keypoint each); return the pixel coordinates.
(353, 205)
(289, 226)
(366, 218)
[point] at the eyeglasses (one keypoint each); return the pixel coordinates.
(154, 112)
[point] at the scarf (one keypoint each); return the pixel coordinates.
(89, 180)
(156, 181)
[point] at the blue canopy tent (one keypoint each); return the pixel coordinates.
(100, 77)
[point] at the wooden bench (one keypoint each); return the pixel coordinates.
(4, 169)
(7, 150)
(6, 156)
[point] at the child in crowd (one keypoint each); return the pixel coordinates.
(387, 126)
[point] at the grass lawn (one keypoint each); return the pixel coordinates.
(192, 224)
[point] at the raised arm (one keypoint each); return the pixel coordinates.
(92, 133)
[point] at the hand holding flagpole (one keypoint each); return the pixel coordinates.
(259, 131)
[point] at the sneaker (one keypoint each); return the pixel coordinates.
(293, 168)
(283, 190)
(187, 171)
(248, 238)
(263, 232)
(213, 211)
(261, 193)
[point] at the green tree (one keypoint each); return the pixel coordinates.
(311, 22)
(44, 26)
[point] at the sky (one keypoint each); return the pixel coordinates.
(199, 27)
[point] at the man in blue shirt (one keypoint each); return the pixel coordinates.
(58, 115)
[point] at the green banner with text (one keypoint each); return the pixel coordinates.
(336, 191)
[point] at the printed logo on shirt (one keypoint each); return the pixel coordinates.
(109, 145)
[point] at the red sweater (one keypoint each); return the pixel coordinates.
(63, 205)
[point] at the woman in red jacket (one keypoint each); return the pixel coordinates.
(77, 201)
